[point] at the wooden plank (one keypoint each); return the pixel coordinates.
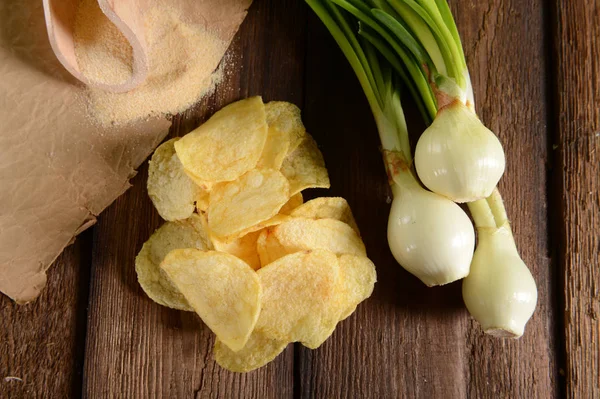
(408, 340)
(136, 348)
(577, 172)
(41, 343)
(505, 47)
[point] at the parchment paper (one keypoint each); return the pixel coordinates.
(58, 170)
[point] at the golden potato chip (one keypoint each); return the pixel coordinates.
(204, 185)
(300, 297)
(327, 207)
(355, 284)
(171, 190)
(300, 234)
(323, 331)
(265, 246)
(275, 150)
(358, 278)
(274, 221)
(189, 233)
(223, 290)
(227, 145)
(259, 350)
(243, 247)
(305, 168)
(241, 204)
(292, 204)
(286, 118)
(202, 198)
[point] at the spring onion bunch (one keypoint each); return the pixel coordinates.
(457, 157)
(428, 234)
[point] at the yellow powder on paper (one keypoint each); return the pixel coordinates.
(103, 54)
(182, 60)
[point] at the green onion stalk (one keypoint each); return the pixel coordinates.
(456, 157)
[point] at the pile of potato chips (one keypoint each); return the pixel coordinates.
(240, 248)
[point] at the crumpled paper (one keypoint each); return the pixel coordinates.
(58, 169)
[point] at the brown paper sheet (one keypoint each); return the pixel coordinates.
(58, 170)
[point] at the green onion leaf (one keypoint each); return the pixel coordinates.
(420, 30)
(405, 38)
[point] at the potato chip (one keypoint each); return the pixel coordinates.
(327, 207)
(259, 350)
(305, 168)
(253, 198)
(223, 290)
(202, 198)
(171, 190)
(189, 233)
(227, 145)
(300, 234)
(292, 204)
(358, 280)
(286, 118)
(355, 284)
(275, 150)
(274, 221)
(243, 248)
(324, 331)
(204, 185)
(300, 301)
(268, 248)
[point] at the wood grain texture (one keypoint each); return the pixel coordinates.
(505, 44)
(136, 348)
(41, 343)
(408, 340)
(577, 50)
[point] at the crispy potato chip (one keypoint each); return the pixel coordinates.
(274, 221)
(358, 280)
(305, 168)
(324, 331)
(275, 150)
(300, 234)
(327, 208)
(243, 247)
(300, 297)
(292, 204)
(171, 190)
(286, 118)
(204, 185)
(189, 233)
(223, 290)
(227, 145)
(259, 350)
(265, 246)
(253, 198)
(202, 199)
(355, 284)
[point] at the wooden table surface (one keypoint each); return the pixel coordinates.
(535, 67)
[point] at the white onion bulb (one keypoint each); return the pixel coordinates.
(430, 236)
(500, 292)
(458, 157)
